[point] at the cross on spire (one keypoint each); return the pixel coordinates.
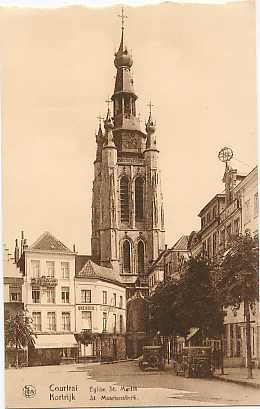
(150, 105)
(108, 101)
(123, 18)
(99, 119)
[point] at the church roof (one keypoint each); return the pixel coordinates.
(47, 242)
(93, 270)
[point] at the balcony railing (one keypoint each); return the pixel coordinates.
(44, 281)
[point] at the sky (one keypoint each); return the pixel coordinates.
(195, 62)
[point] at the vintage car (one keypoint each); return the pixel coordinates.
(153, 358)
(194, 361)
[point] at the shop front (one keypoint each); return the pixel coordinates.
(53, 350)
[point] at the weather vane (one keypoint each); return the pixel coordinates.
(123, 18)
(225, 155)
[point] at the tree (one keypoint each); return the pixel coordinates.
(238, 281)
(179, 305)
(85, 337)
(18, 332)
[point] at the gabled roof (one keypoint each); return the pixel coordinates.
(80, 261)
(47, 242)
(159, 262)
(181, 244)
(92, 270)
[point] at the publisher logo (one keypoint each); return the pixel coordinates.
(29, 391)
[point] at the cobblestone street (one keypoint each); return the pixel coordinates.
(124, 384)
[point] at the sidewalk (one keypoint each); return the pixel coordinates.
(239, 375)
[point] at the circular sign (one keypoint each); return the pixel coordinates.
(29, 391)
(225, 154)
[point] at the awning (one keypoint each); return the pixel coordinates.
(55, 341)
(192, 332)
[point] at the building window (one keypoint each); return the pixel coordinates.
(51, 318)
(86, 296)
(104, 321)
(247, 211)
(208, 217)
(37, 321)
(139, 199)
(114, 324)
(214, 244)
(86, 320)
(50, 268)
(222, 239)
(65, 294)
(124, 199)
(15, 294)
(229, 232)
(105, 297)
(36, 296)
(236, 227)
(121, 324)
(204, 248)
(214, 212)
(114, 299)
(126, 256)
(203, 222)
(35, 265)
(51, 295)
(140, 257)
(209, 247)
(65, 320)
(65, 270)
(121, 301)
(256, 205)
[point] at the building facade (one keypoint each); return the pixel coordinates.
(100, 305)
(225, 215)
(49, 297)
(170, 263)
(66, 295)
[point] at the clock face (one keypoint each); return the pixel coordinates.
(129, 141)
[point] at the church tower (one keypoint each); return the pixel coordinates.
(127, 203)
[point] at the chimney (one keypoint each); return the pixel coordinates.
(74, 248)
(16, 252)
(166, 246)
(25, 245)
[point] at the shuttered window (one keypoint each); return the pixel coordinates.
(139, 199)
(124, 199)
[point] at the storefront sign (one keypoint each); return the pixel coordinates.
(87, 307)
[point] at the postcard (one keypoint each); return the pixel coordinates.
(130, 205)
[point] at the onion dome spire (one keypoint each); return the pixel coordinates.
(123, 58)
(124, 97)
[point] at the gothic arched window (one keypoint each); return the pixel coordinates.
(140, 257)
(124, 199)
(139, 199)
(126, 257)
